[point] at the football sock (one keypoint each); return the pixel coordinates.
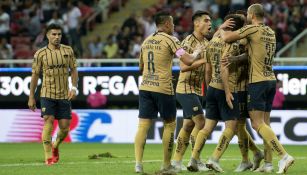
(224, 140)
(168, 141)
(252, 145)
(62, 133)
(199, 144)
(193, 136)
(182, 144)
(268, 135)
(46, 139)
(268, 153)
(243, 141)
(140, 140)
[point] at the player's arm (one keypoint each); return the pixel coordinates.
(74, 77)
(225, 81)
(208, 74)
(36, 67)
(196, 64)
(141, 64)
(244, 32)
(230, 36)
(227, 60)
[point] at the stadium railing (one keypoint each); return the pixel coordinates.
(86, 62)
(292, 46)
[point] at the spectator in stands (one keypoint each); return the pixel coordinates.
(86, 12)
(40, 40)
(111, 48)
(136, 47)
(279, 97)
(95, 47)
(97, 100)
(34, 25)
(131, 23)
(6, 51)
(148, 25)
(4, 24)
(74, 24)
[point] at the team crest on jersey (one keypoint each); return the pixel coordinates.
(195, 108)
(65, 56)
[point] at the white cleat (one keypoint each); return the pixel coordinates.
(202, 166)
(168, 170)
(192, 165)
(258, 157)
(178, 165)
(265, 168)
(139, 168)
(214, 165)
(284, 164)
(244, 166)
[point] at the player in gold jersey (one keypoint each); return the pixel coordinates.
(261, 88)
(189, 90)
(216, 106)
(156, 90)
(55, 61)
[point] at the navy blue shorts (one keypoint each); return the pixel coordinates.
(59, 108)
(242, 98)
(191, 104)
(260, 96)
(217, 108)
(150, 103)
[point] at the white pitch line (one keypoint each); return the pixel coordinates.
(108, 162)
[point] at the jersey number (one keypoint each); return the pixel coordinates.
(151, 64)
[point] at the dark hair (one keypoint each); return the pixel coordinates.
(239, 21)
(199, 13)
(53, 26)
(98, 88)
(161, 17)
(241, 12)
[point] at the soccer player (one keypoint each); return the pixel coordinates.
(156, 89)
(55, 61)
(262, 81)
(189, 90)
(216, 106)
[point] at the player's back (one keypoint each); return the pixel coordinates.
(261, 50)
(157, 53)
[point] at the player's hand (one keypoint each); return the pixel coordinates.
(72, 94)
(32, 104)
(229, 23)
(226, 60)
(197, 50)
(229, 99)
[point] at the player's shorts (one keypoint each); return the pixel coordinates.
(191, 104)
(59, 108)
(260, 96)
(242, 99)
(150, 103)
(217, 108)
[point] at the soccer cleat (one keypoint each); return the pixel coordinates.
(202, 166)
(265, 168)
(55, 155)
(178, 165)
(285, 163)
(258, 157)
(192, 165)
(139, 168)
(244, 166)
(49, 162)
(169, 170)
(214, 165)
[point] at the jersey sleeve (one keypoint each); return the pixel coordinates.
(247, 30)
(37, 63)
(72, 60)
(174, 44)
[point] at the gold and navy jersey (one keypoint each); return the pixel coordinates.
(157, 53)
(214, 54)
(261, 49)
(55, 66)
(192, 81)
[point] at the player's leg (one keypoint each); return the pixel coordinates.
(48, 112)
(63, 114)
(257, 108)
(167, 109)
(147, 111)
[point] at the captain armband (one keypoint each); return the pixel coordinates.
(180, 52)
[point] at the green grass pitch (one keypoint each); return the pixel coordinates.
(27, 159)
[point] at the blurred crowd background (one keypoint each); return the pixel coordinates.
(23, 23)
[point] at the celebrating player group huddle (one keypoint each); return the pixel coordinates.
(236, 67)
